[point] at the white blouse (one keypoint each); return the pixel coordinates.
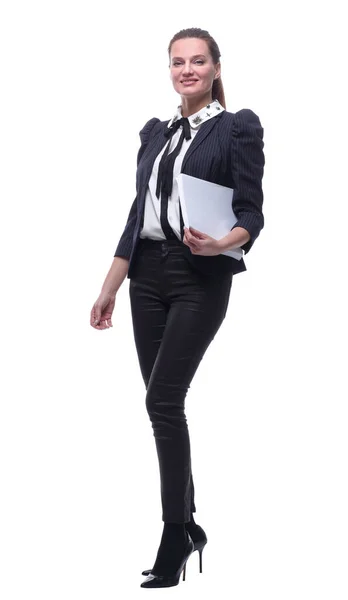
(152, 224)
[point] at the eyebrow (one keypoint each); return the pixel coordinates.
(194, 56)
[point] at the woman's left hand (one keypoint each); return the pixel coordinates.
(201, 243)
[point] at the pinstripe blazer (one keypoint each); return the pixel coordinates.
(228, 150)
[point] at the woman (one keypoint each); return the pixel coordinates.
(179, 280)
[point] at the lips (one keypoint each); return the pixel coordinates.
(189, 80)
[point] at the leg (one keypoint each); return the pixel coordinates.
(192, 322)
(149, 315)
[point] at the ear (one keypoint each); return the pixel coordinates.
(217, 70)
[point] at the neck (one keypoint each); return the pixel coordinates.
(189, 106)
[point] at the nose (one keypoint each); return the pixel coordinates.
(187, 69)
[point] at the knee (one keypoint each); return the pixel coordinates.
(165, 402)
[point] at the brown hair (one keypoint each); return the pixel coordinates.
(202, 34)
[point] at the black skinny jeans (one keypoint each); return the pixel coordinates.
(176, 312)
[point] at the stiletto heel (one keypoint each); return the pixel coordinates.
(184, 572)
(200, 558)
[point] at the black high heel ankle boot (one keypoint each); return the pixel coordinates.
(173, 578)
(199, 539)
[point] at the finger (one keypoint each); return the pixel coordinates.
(96, 314)
(197, 234)
(194, 241)
(187, 241)
(195, 238)
(99, 323)
(190, 238)
(94, 321)
(188, 232)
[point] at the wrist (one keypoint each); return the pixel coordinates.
(221, 244)
(234, 239)
(108, 292)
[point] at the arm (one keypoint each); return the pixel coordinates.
(102, 309)
(247, 169)
(119, 267)
(116, 275)
(237, 238)
(124, 246)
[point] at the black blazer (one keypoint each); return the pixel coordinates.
(227, 149)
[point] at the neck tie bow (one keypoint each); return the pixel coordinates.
(175, 126)
(166, 165)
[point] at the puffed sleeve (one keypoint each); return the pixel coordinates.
(247, 169)
(124, 246)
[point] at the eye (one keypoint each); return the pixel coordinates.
(198, 60)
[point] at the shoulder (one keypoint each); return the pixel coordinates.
(244, 121)
(149, 128)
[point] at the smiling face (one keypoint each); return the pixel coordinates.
(192, 70)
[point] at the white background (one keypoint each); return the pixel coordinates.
(267, 410)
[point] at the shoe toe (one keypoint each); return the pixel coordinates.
(153, 581)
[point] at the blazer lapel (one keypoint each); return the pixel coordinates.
(202, 133)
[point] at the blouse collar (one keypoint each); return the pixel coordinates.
(204, 114)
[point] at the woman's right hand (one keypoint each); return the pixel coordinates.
(102, 311)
